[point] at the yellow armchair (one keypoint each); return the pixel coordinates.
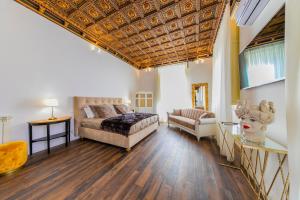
(13, 155)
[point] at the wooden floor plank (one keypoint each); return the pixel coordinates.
(168, 164)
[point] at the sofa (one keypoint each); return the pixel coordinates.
(197, 122)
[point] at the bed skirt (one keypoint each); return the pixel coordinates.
(117, 139)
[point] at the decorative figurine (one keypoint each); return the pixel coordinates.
(254, 119)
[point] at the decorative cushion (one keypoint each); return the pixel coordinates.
(88, 112)
(208, 115)
(121, 109)
(105, 111)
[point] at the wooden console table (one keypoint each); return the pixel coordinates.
(66, 133)
(253, 160)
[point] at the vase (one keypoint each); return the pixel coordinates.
(252, 132)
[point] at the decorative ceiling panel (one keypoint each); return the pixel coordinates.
(272, 32)
(144, 33)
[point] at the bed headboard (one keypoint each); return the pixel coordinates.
(80, 102)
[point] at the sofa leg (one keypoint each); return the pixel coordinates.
(198, 138)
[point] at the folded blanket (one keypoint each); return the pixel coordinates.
(122, 124)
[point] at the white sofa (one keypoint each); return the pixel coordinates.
(195, 121)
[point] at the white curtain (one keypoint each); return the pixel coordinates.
(263, 64)
(221, 85)
(292, 82)
(173, 90)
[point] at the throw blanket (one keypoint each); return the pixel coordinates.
(122, 124)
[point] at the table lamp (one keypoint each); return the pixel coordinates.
(51, 103)
(4, 120)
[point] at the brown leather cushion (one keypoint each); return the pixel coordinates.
(121, 109)
(184, 121)
(105, 111)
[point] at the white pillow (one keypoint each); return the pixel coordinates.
(88, 112)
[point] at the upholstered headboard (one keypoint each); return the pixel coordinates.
(80, 102)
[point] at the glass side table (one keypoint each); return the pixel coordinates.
(253, 160)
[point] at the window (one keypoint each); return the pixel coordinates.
(263, 64)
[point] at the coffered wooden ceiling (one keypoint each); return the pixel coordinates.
(272, 32)
(144, 33)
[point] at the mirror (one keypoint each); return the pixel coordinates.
(262, 62)
(200, 96)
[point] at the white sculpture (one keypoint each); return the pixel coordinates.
(254, 119)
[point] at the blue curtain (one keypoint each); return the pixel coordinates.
(270, 54)
(244, 82)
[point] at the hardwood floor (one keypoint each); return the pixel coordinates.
(166, 165)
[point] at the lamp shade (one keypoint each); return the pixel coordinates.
(51, 102)
(128, 102)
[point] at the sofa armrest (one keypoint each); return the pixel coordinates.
(168, 114)
(203, 121)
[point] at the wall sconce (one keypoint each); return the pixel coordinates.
(148, 69)
(93, 47)
(199, 60)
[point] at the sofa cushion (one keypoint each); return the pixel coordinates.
(207, 114)
(184, 121)
(207, 121)
(192, 113)
(176, 112)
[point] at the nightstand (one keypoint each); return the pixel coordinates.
(66, 120)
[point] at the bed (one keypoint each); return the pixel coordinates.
(91, 128)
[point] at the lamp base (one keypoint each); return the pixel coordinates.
(52, 118)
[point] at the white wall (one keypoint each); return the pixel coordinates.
(196, 73)
(201, 73)
(147, 80)
(40, 60)
(293, 93)
(271, 92)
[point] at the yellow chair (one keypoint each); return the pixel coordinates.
(13, 155)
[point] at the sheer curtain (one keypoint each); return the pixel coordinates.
(221, 83)
(173, 90)
(263, 64)
(292, 89)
